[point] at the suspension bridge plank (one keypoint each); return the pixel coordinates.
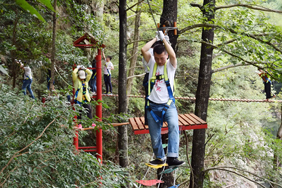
(199, 119)
(133, 124)
(143, 121)
(139, 123)
(192, 119)
(186, 122)
(179, 122)
(185, 119)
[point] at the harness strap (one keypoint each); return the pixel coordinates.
(109, 74)
(93, 75)
(151, 84)
(267, 79)
(156, 117)
(28, 78)
(83, 94)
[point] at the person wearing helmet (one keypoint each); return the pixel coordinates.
(27, 78)
(81, 76)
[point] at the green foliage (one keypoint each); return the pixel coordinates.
(235, 131)
(26, 6)
(36, 147)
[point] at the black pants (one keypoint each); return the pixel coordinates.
(145, 84)
(107, 80)
(89, 111)
(267, 89)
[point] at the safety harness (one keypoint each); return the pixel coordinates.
(151, 84)
(265, 78)
(109, 74)
(27, 77)
(94, 76)
(83, 94)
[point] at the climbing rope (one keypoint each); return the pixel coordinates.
(152, 15)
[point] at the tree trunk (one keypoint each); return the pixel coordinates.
(122, 108)
(53, 46)
(168, 17)
(134, 50)
(276, 158)
(202, 97)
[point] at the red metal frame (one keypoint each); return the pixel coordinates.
(99, 137)
(93, 42)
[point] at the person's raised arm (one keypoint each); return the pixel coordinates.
(89, 74)
(20, 63)
(103, 55)
(145, 50)
(170, 51)
(74, 73)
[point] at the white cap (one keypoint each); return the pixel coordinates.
(81, 74)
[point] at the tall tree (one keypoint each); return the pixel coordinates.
(122, 108)
(134, 53)
(53, 52)
(168, 18)
(202, 96)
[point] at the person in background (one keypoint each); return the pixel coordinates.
(267, 84)
(27, 78)
(49, 78)
(82, 96)
(107, 74)
(92, 81)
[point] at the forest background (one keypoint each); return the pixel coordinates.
(241, 148)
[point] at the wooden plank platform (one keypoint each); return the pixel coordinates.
(185, 121)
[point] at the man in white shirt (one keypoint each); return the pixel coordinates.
(107, 74)
(161, 106)
(27, 79)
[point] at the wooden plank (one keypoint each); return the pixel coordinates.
(187, 120)
(139, 123)
(193, 119)
(133, 124)
(143, 121)
(199, 119)
(179, 122)
(184, 123)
